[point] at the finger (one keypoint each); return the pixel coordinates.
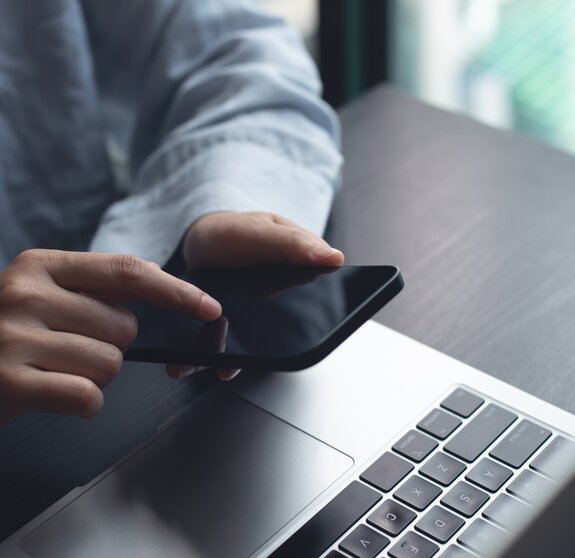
(300, 246)
(54, 392)
(129, 277)
(77, 355)
(257, 239)
(69, 312)
(212, 339)
(287, 245)
(179, 371)
(227, 374)
(213, 336)
(119, 299)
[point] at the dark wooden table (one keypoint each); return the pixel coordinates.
(481, 223)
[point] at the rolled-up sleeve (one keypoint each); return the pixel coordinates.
(228, 117)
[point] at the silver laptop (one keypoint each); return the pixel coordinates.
(386, 448)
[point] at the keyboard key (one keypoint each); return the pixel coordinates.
(417, 492)
(479, 534)
(387, 472)
(440, 424)
(442, 468)
(557, 460)
(507, 512)
(439, 524)
(462, 403)
(412, 544)
(335, 554)
(332, 521)
(454, 552)
(480, 433)
(531, 487)
(520, 444)
(489, 475)
(415, 446)
(391, 517)
(364, 542)
(465, 499)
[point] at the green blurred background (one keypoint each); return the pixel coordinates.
(508, 63)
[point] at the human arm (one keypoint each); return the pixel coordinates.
(229, 119)
(62, 336)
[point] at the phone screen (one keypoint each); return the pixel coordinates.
(270, 314)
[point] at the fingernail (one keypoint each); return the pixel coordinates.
(228, 375)
(210, 307)
(322, 251)
(155, 264)
(180, 371)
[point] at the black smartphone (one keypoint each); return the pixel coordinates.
(279, 318)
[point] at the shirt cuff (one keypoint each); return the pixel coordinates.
(233, 176)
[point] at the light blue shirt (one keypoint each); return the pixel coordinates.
(216, 103)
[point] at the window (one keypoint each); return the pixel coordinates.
(509, 63)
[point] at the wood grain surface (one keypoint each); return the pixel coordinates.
(481, 223)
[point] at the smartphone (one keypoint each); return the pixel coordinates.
(280, 318)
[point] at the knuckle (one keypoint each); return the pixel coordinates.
(28, 257)
(112, 360)
(35, 257)
(303, 237)
(182, 294)
(24, 296)
(295, 241)
(127, 329)
(273, 218)
(127, 268)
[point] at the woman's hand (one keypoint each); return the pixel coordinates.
(243, 239)
(236, 239)
(62, 338)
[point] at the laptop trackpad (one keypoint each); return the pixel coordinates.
(221, 482)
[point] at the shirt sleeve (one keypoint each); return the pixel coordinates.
(229, 118)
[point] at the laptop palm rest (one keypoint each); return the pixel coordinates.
(222, 481)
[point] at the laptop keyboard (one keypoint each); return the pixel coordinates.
(467, 474)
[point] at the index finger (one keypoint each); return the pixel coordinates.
(129, 277)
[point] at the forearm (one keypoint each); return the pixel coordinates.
(241, 128)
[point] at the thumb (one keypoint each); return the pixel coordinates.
(278, 243)
(252, 239)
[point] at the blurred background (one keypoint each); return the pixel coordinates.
(508, 63)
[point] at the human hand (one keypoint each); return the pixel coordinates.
(240, 239)
(62, 338)
(212, 339)
(236, 239)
